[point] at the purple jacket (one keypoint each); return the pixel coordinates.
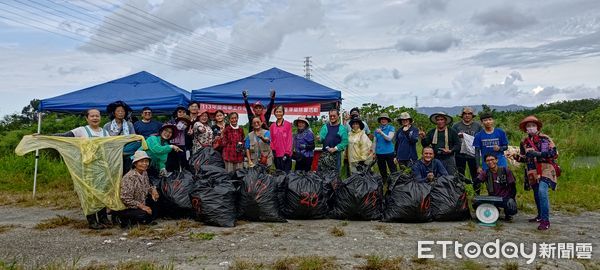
(304, 142)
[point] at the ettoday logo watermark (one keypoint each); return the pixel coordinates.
(506, 250)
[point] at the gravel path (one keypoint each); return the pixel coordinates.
(266, 242)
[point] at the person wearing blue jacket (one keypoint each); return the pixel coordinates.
(384, 146)
(428, 168)
(406, 141)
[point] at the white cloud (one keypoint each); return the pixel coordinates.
(436, 43)
(364, 78)
(503, 19)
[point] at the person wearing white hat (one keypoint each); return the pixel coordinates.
(383, 146)
(406, 140)
(443, 139)
(137, 194)
(304, 144)
(467, 126)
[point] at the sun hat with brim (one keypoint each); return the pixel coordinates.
(435, 115)
(384, 115)
(357, 120)
(404, 116)
(139, 155)
(303, 119)
(172, 127)
(530, 119)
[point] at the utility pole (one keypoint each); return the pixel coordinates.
(307, 67)
(416, 102)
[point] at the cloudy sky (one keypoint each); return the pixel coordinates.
(445, 52)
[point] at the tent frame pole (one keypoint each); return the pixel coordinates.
(37, 154)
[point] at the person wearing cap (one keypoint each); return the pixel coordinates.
(443, 139)
(181, 120)
(490, 140)
(359, 145)
(159, 149)
(539, 153)
(259, 110)
(428, 168)
(202, 133)
(233, 144)
(147, 126)
(470, 127)
(383, 146)
(282, 140)
(499, 182)
(406, 140)
(137, 194)
(334, 138)
(258, 145)
(304, 145)
(118, 113)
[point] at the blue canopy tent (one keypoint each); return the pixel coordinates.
(291, 89)
(137, 90)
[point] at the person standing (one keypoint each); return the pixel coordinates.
(194, 109)
(354, 114)
(304, 145)
(147, 126)
(443, 139)
(490, 140)
(232, 139)
(406, 141)
(217, 129)
(282, 141)
(258, 145)
(359, 145)
(202, 133)
(384, 146)
(334, 138)
(467, 126)
(119, 113)
(259, 110)
(181, 120)
(539, 153)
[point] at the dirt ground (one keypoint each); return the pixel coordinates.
(266, 242)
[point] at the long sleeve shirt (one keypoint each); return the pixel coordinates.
(420, 169)
(453, 143)
(384, 143)
(337, 137)
(406, 144)
(158, 150)
(282, 139)
(264, 118)
(359, 146)
(304, 142)
(135, 187)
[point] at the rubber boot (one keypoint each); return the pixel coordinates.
(93, 222)
(103, 218)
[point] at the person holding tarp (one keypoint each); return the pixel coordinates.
(304, 145)
(259, 110)
(258, 145)
(500, 182)
(428, 168)
(137, 194)
(359, 145)
(406, 141)
(539, 152)
(334, 138)
(159, 149)
(443, 139)
(94, 160)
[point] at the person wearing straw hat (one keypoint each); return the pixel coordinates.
(383, 146)
(258, 109)
(159, 149)
(539, 153)
(359, 145)
(467, 126)
(443, 139)
(304, 144)
(137, 194)
(406, 140)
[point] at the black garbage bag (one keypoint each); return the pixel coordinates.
(306, 196)
(359, 197)
(408, 200)
(174, 194)
(449, 199)
(206, 156)
(260, 195)
(214, 198)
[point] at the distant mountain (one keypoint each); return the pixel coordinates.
(458, 109)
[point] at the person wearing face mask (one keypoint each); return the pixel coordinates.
(539, 153)
(201, 132)
(490, 140)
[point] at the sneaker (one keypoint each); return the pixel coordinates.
(544, 225)
(535, 219)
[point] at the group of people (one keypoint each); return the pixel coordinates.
(446, 150)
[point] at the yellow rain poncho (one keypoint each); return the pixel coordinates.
(95, 165)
